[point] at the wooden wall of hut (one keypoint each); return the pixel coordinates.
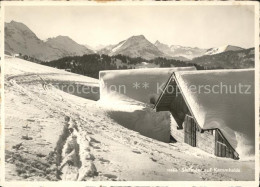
(223, 148)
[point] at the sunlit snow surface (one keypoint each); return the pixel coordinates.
(231, 111)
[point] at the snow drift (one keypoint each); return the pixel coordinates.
(136, 116)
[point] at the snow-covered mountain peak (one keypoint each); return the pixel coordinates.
(217, 50)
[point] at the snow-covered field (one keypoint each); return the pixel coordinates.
(37, 136)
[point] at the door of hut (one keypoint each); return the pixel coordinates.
(190, 131)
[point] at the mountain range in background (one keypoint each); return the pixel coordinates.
(180, 51)
(20, 39)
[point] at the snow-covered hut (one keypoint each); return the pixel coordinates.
(126, 96)
(213, 110)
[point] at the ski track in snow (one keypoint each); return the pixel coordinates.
(107, 151)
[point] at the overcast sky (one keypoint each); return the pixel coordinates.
(196, 26)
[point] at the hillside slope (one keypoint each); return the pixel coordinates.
(68, 46)
(37, 134)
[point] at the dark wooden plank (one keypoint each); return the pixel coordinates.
(165, 102)
(219, 150)
(190, 131)
(194, 133)
(227, 152)
(185, 132)
(216, 145)
(162, 108)
(223, 151)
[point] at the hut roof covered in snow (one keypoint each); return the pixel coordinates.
(138, 84)
(219, 99)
